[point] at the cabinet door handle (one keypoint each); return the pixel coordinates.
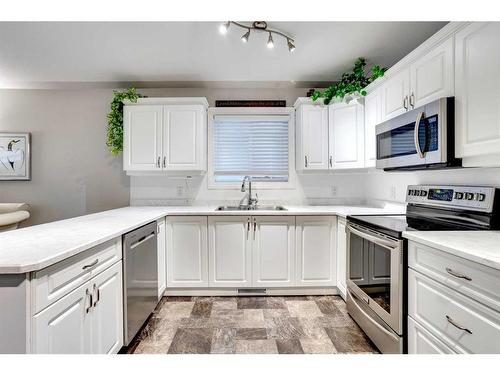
(248, 227)
(458, 275)
(305, 160)
(254, 227)
(453, 323)
(412, 100)
(164, 162)
(98, 295)
(405, 102)
(91, 264)
(331, 161)
(89, 307)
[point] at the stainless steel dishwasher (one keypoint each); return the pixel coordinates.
(140, 270)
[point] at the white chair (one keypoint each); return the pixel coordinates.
(11, 214)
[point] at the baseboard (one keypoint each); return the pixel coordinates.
(193, 292)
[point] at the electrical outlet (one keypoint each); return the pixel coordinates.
(392, 192)
(334, 190)
(180, 190)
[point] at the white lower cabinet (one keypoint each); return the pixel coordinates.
(341, 258)
(273, 251)
(316, 258)
(187, 251)
(230, 257)
(422, 341)
(87, 320)
(162, 254)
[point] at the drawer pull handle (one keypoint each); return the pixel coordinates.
(452, 322)
(458, 275)
(90, 265)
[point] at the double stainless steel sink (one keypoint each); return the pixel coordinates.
(252, 208)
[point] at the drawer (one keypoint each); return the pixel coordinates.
(54, 282)
(472, 279)
(461, 323)
(421, 341)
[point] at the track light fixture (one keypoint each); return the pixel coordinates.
(258, 26)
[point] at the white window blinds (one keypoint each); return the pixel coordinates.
(256, 146)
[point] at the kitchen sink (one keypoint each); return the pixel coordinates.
(245, 208)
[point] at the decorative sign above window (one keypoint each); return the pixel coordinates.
(14, 156)
(250, 103)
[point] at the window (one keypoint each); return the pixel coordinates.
(251, 144)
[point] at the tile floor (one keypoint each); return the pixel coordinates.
(251, 325)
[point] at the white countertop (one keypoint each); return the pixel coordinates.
(33, 248)
(478, 246)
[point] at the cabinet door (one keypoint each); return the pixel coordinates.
(341, 258)
(65, 326)
(395, 95)
(184, 132)
(316, 251)
(187, 251)
(230, 258)
(373, 117)
(162, 255)
(314, 137)
(431, 76)
(273, 251)
(477, 96)
(107, 311)
(421, 341)
(346, 136)
(142, 137)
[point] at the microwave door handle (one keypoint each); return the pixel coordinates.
(415, 135)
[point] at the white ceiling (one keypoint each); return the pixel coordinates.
(48, 52)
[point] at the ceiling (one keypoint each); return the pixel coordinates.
(49, 52)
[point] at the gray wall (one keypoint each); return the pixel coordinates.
(72, 171)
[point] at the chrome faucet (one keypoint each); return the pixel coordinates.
(251, 202)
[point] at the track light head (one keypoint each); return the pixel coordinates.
(270, 42)
(291, 46)
(245, 36)
(223, 27)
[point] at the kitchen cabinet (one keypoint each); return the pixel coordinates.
(373, 117)
(316, 244)
(165, 135)
(312, 136)
(342, 257)
(162, 255)
(346, 136)
(422, 341)
(230, 257)
(87, 320)
(187, 251)
(273, 251)
(426, 79)
(477, 96)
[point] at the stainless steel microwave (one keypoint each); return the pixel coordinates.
(419, 139)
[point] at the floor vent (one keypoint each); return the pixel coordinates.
(252, 291)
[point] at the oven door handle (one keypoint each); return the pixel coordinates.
(415, 135)
(377, 240)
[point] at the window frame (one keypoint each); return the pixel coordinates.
(255, 111)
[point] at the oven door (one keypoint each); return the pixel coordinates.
(417, 137)
(375, 273)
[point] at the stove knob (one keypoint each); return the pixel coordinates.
(481, 197)
(469, 196)
(423, 193)
(410, 192)
(459, 195)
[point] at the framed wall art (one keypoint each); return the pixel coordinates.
(15, 156)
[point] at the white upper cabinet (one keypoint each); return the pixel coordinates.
(346, 136)
(273, 251)
(431, 76)
(165, 135)
(395, 94)
(373, 117)
(477, 94)
(187, 251)
(312, 136)
(142, 137)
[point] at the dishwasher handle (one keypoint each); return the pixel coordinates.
(142, 240)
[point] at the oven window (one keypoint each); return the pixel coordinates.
(370, 270)
(400, 141)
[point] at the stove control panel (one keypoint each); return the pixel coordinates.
(475, 198)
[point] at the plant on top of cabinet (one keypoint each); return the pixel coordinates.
(351, 83)
(115, 118)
